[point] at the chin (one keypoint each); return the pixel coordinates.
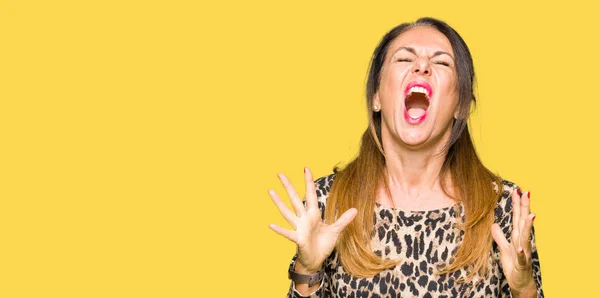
(414, 138)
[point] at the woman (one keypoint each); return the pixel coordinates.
(416, 213)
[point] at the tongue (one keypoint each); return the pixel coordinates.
(416, 112)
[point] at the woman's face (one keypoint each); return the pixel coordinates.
(417, 92)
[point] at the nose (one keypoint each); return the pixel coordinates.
(422, 67)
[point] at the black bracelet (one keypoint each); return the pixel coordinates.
(310, 279)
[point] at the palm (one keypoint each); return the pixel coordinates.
(515, 256)
(314, 238)
(516, 275)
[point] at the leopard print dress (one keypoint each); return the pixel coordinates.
(423, 240)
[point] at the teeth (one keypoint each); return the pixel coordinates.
(419, 90)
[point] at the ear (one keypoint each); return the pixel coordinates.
(376, 100)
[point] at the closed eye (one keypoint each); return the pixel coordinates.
(404, 60)
(442, 63)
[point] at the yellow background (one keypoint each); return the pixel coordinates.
(138, 139)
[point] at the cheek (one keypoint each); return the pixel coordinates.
(447, 108)
(449, 81)
(392, 82)
(449, 91)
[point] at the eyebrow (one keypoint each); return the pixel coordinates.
(412, 50)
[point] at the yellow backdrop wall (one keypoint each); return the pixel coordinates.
(139, 138)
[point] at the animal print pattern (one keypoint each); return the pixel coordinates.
(423, 240)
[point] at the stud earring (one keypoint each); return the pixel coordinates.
(376, 108)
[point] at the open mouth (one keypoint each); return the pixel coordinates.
(416, 102)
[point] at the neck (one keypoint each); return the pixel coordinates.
(414, 171)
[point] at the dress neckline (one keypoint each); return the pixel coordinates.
(417, 212)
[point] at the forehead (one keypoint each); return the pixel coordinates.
(422, 38)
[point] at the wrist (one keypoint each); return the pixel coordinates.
(302, 269)
(304, 276)
(527, 292)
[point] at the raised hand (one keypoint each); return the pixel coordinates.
(516, 256)
(315, 239)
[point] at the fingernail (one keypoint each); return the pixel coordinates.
(533, 218)
(304, 170)
(521, 250)
(519, 192)
(528, 194)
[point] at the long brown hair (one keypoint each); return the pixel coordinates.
(356, 184)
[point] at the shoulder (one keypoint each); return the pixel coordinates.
(505, 198)
(323, 187)
(503, 210)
